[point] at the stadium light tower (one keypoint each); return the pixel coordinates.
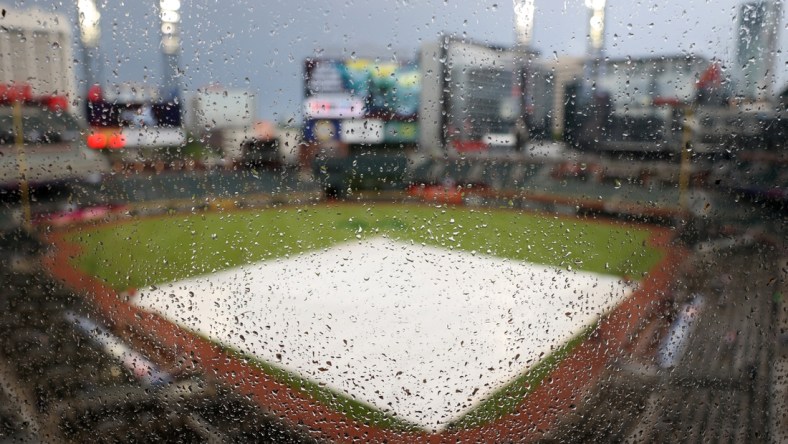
(171, 45)
(596, 26)
(596, 39)
(88, 17)
(523, 28)
(524, 22)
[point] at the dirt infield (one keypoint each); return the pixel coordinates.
(540, 410)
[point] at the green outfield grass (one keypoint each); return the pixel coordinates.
(152, 251)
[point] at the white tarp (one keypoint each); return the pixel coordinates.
(421, 331)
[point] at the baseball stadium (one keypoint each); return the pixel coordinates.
(215, 227)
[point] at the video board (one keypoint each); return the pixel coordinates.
(361, 88)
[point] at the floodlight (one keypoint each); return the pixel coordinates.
(89, 17)
(170, 5)
(168, 16)
(595, 4)
(524, 21)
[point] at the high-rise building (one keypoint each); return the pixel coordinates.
(756, 48)
(35, 48)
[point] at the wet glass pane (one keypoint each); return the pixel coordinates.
(393, 221)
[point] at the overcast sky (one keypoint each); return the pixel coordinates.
(261, 45)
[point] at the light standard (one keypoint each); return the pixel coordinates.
(596, 39)
(17, 97)
(89, 17)
(523, 28)
(524, 22)
(171, 45)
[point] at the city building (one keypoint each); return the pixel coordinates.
(35, 48)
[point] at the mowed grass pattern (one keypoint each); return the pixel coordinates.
(145, 252)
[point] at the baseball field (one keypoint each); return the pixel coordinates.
(405, 316)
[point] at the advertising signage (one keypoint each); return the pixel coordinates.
(360, 131)
(385, 90)
(333, 106)
(372, 131)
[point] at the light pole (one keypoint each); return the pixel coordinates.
(171, 46)
(89, 17)
(596, 40)
(523, 28)
(524, 22)
(21, 162)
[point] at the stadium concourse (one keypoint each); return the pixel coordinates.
(730, 365)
